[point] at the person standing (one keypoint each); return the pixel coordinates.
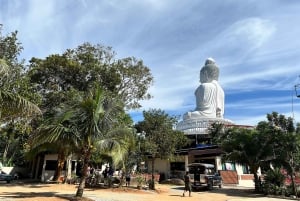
(127, 179)
(187, 184)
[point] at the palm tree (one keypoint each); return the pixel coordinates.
(56, 134)
(94, 115)
(14, 109)
(121, 147)
(86, 124)
(12, 105)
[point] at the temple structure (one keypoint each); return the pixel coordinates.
(195, 124)
(209, 105)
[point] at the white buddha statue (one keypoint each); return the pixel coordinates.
(209, 94)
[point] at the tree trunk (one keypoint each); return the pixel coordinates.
(69, 168)
(122, 176)
(152, 182)
(256, 182)
(4, 156)
(293, 180)
(86, 160)
(81, 186)
(60, 166)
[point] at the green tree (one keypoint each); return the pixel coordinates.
(120, 147)
(285, 143)
(128, 77)
(15, 92)
(87, 64)
(16, 98)
(76, 70)
(244, 146)
(273, 141)
(162, 140)
(58, 135)
(95, 114)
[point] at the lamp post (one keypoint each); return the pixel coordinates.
(297, 86)
(152, 183)
(141, 136)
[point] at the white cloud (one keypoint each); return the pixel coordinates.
(255, 44)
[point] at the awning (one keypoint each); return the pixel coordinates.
(215, 151)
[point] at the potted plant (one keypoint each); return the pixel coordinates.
(140, 181)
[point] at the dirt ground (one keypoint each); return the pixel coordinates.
(18, 191)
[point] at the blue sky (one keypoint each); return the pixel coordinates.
(255, 44)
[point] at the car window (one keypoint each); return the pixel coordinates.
(210, 171)
(197, 169)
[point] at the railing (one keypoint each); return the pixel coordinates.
(199, 126)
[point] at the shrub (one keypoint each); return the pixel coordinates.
(273, 183)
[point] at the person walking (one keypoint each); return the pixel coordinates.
(187, 184)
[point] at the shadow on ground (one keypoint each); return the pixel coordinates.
(28, 183)
(229, 191)
(33, 195)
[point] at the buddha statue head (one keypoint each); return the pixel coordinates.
(209, 72)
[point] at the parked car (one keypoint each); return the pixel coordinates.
(5, 177)
(204, 175)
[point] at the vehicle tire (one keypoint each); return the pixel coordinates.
(221, 185)
(210, 185)
(8, 181)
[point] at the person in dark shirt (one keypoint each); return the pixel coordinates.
(187, 184)
(127, 179)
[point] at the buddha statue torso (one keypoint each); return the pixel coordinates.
(209, 95)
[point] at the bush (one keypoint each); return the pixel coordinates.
(274, 183)
(140, 180)
(274, 177)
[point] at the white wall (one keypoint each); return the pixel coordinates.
(159, 166)
(48, 174)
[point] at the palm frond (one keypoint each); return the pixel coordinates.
(13, 105)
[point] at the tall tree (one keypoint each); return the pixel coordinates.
(128, 77)
(77, 70)
(94, 115)
(16, 96)
(162, 139)
(87, 64)
(15, 91)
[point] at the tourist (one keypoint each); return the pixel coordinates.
(127, 179)
(187, 184)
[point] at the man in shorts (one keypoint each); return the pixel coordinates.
(187, 184)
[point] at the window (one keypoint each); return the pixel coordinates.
(177, 166)
(197, 169)
(51, 164)
(228, 166)
(246, 169)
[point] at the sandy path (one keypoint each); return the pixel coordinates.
(60, 192)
